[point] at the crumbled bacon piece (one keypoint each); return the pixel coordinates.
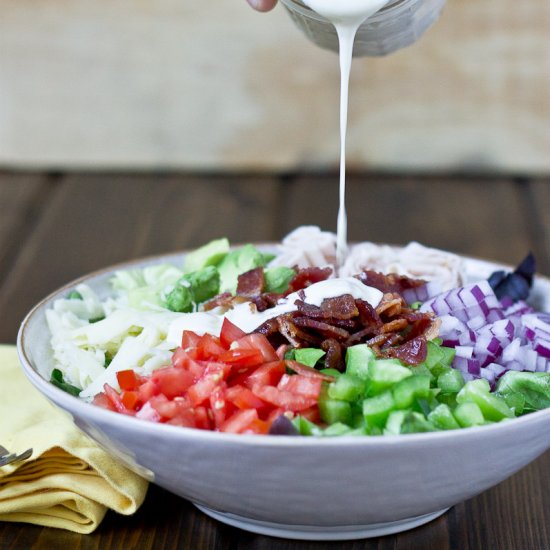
(394, 326)
(293, 333)
(412, 352)
(251, 283)
(326, 329)
(226, 300)
(308, 276)
(392, 329)
(388, 283)
(333, 357)
(266, 300)
(341, 307)
(309, 310)
(391, 305)
(271, 326)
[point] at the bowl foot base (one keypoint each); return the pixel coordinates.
(313, 532)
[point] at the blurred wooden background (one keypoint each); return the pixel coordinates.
(212, 85)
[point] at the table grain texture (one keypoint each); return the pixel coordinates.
(56, 227)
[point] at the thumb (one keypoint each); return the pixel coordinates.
(262, 5)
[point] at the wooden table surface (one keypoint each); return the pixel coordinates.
(55, 227)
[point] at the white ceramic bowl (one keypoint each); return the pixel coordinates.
(297, 487)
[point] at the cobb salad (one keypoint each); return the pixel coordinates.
(239, 340)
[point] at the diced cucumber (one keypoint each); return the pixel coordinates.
(308, 356)
(492, 407)
(448, 399)
(423, 370)
(438, 356)
(305, 426)
(448, 355)
(335, 410)
(468, 415)
(405, 391)
(358, 359)
(442, 418)
(377, 409)
(516, 401)
(534, 386)
(394, 422)
(450, 381)
(415, 422)
(338, 428)
(384, 373)
(346, 387)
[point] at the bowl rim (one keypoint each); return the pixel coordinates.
(71, 402)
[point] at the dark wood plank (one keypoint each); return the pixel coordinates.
(540, 201)
(20, 195)
(95, 221)
(478, 217)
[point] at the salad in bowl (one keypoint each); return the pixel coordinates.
(241, 377)
(244, 341)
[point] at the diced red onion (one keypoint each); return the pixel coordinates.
(506, 302)
(542, 347)
(476, 322)
(464, 351)
(491, 337)
(543, 365)
(494, 315)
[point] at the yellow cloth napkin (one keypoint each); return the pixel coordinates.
(68, 482)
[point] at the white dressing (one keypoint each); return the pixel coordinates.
(346, 16)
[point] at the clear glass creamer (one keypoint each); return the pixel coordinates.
(398, 24)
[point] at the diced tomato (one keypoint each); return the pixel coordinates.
(218, 406)
(236, 383)
(209, 347)
(243, 398)
(128, 379)
(258, 427)
(202, 419)
(189, 339)
(183, 417)
(148, 413)
(147, 390)
(217, 369)
(266, 375)
(301, 385)
(304, 370)
(242, 357)
(230, 333)
(130, 399)
(172, 381)
(200, 392)
(183, 359)
(284, 399)
(101, 400)
(165, 407)
(240, 421)
(115, 399)
(259, 342)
